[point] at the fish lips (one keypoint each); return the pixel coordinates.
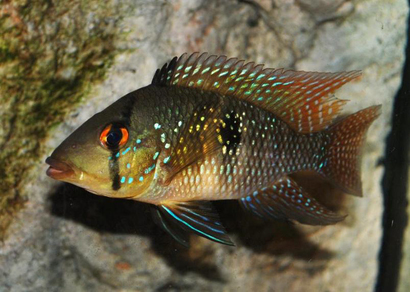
(58, 170)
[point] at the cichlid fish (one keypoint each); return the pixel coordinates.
(212, 128)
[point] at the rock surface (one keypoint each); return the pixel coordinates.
(404, 282)
(65, 239)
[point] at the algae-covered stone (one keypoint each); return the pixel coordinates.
(50, 55)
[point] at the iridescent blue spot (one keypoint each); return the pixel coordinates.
(109, 158)
(272, 78)
(123, 179)
(141, 178)
(126, 150)
(139, 140)
(166, 159)
(130, 180)
(276, 84)
(117, 155)
(135, 148)
(155, 155)
(249, 199)
(149, 169)
(223, 73)
(260, 76)
(214, 71)
(157, 126)
(255, 193)
(128, 165)
(260, 98)
(287, 83)
(300, 196)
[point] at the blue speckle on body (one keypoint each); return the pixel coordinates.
(126, 150)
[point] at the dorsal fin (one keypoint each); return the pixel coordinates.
(303, 99)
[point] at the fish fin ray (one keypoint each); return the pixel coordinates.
(198, 217)
(286, 200)
(199, 137)
(167, 227)
(342, 164)
(304, 100)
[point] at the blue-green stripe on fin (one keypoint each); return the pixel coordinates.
(175, 232)
(198, 217)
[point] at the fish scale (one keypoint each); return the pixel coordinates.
(212, 128)
(217, 179)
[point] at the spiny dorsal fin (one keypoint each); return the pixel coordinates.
(303, 99)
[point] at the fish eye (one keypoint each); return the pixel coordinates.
(114, 136)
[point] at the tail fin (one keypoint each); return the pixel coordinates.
(342, 162)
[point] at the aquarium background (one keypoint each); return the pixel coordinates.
(63, 61)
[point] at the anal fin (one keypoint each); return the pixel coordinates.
(285, 200)
(198, 217)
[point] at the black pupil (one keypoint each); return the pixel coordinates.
(114, 137)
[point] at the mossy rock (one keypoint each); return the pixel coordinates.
(50, 56)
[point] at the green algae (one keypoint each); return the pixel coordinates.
(51, 53)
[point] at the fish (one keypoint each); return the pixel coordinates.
(213, 128)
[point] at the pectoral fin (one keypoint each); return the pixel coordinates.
(285, 200)
(198, 217)
(200, 136)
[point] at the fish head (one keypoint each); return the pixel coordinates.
(110, 154)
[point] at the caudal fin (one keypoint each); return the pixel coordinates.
(342, 162)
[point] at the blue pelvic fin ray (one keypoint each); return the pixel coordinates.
(171, 229)
(286, 200)
(198, 217)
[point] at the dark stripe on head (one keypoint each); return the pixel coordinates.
(114, 168)
(114, 165)
(128, 108)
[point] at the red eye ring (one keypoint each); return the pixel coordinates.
(114, 136)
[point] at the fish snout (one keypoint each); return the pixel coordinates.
(58, 170)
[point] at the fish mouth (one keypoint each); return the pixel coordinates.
(58, 170)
